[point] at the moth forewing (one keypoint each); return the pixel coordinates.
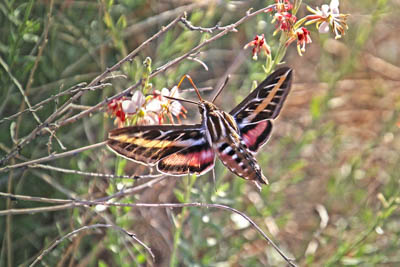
(174, 149)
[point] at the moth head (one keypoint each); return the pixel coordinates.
(206, 106)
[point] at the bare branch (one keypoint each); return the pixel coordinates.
(52, 157)
(130, 191)
(89, 227)
(94, 174)
(81, 203)
(40, 104)
(190, 26)
(95, 81)
(227, 29)
(163, 68)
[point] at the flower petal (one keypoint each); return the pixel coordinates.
(154, 105)
(324, 27)
(129, 107)
(165, 91)
(325, 10)
(149, 119)
(175, 108)
(138, 98)
(334, 5)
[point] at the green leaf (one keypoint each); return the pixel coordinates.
(315, 107)
(141, 258)
(108, 20)
(110, 3)
(121, 23)
(30, 38)
(297, 166)
(179, 195)
(121, 166)
(102, 263)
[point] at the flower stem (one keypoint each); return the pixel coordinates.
(296, 6)
(181, 217)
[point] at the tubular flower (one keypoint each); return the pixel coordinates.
(143, 110)
(280, 6)
(169, 108)
(328, 16)
(302, 35)
(258, 43)
(285, 21)
(116, 110)
(150, 114)
(132, 105)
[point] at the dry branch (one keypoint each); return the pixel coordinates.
(86, 203)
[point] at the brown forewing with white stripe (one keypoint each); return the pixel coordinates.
(190, 149)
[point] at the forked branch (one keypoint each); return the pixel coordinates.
(86, 203)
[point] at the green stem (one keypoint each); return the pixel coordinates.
(181, 218)
(281, 52)
(296, 6)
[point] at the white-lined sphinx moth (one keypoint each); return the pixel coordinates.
(235, 136)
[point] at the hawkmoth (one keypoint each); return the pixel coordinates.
(234, 137)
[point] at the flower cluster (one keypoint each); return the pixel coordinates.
(259, 43)
(141, 110)
(280, 6)
(328, 16)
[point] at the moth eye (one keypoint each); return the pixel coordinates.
(194, 134)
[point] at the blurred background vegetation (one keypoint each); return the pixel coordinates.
(333, 160)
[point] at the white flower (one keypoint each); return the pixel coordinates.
(154, 105)
(331, 10)
(149, 118)
(175, 108)
(328, 16)
(128, 106)
(131, 106)
(165, 92)
(138, 98)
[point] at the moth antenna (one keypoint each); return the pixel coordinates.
(222, 87)
(194, 86)
(181, 99)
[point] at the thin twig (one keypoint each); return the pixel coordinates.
(134, 189)
(41, 103)
(41, 126)
(88, 227)
(21, 90)
(190, 26)
(55, 184)
(52, 157)
(94, 174)
(227, 29)
(164, 67)
(139, 28)
(168, 14)
(129, 89)
(37, 59)
(95, 81)
(83, 203)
